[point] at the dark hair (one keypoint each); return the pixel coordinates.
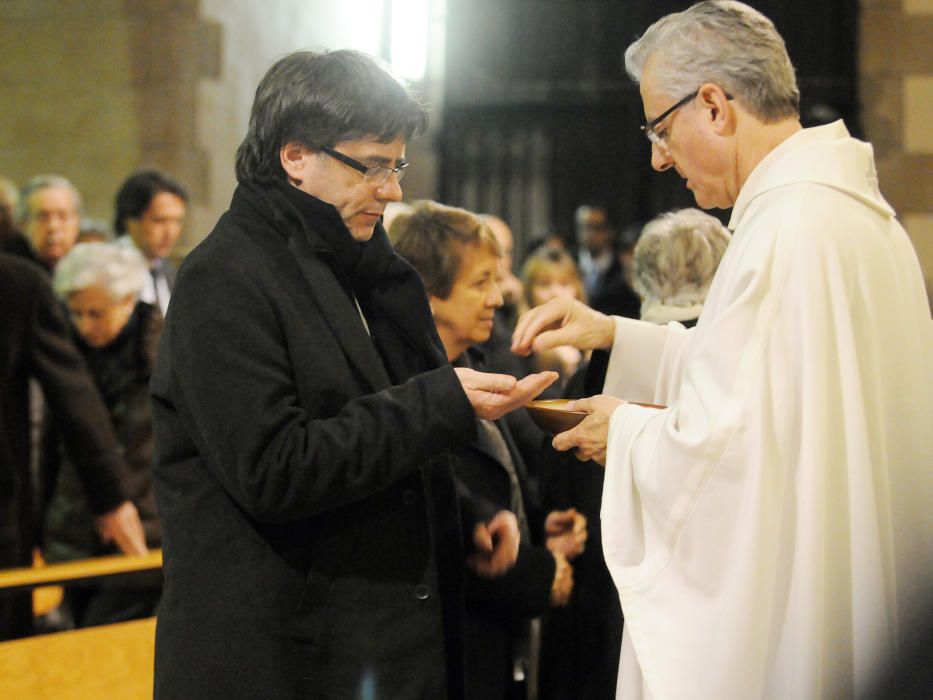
(137, 192)
(320, 99)
(432, 236)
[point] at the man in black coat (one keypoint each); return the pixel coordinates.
(150, 214)
(304, 412)
(600, 256)
(35, 343)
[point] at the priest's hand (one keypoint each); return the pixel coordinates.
(123, 527)
(589, 437)
(496, 544)
(566, 532)
(562, 321)
(494, 395)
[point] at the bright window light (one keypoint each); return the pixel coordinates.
(409, 49)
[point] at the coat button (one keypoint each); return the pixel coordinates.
(422, 592)
(409, 497)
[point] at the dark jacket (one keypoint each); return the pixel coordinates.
(121, 372)
(311, 528)
(34, 343)
(613, 295)
(499, 610)
(581, 641)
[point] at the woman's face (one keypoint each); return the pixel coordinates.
(97, 316)
(550, 284)
(465, 317)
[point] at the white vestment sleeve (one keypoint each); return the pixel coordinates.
(645, 362)
(759, 517)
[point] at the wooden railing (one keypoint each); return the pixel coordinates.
(110, 661)
(78, 570)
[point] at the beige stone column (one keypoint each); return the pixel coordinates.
(896, 88)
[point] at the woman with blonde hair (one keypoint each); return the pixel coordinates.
(549, 273)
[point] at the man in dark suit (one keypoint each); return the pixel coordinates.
(34, 343)
(304, 412)
(602, 258)
(150, 215)
(48, 213)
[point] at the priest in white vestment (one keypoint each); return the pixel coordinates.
(769, 532)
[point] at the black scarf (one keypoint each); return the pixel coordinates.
(389, 290)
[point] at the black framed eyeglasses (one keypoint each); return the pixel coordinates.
(375, 174)
(649, 128)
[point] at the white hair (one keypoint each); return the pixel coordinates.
(9, 194)
(677, 255)
(723, 42)
(121, 270)
(42, 182)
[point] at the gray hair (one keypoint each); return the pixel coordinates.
(9, 196)
(9, 193)
(91, 229)
(120, 269)
(42, 182)
(723, 42)
(677, 255)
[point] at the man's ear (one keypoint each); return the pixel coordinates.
(713, 99)
(294, 159)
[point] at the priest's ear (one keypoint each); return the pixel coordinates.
(716, 102)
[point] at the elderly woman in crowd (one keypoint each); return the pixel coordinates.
(675, 259)
(457, 256)
(118, 336)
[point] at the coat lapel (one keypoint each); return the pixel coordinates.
(340, 313)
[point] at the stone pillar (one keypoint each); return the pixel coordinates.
(896, 88)
(94, 91)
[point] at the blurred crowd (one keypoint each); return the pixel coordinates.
(86, 302)
(84, 309)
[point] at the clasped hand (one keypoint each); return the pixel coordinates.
(566, 532)
(495, 545)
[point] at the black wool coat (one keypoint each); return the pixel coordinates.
(121, 371)
(35, 343)
(498, 611)
(312, 531)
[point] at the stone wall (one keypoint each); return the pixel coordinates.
(94, 90)
(896, 86)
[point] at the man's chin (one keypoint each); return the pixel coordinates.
(709, 200)
(362, 234)
(705, 201)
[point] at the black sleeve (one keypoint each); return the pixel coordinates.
(77, 409)
(524, 590)
(474, 509)
(234, 389)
